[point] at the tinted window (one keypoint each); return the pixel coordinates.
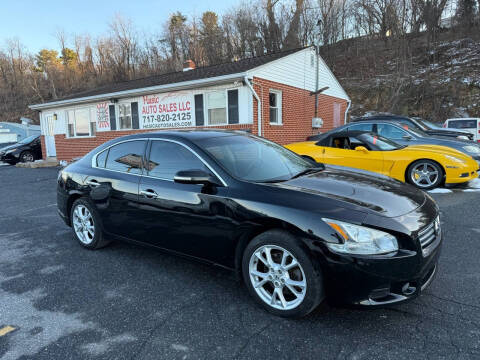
(101, 159)
(390, 131)
(462, 124)
(126, 157)
(167, 158)
(29, 139)
(361, 127)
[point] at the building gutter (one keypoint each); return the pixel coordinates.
(217, 80)
(259, 105)
(349, 102)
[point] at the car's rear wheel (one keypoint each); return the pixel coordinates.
(280, 275)
(86, 225)
(26, 156)
(425, 174)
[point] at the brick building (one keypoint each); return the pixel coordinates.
(279, 86)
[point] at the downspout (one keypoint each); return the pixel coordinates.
(349, 102)
(259, 105)
(317, 60)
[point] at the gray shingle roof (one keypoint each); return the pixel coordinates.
(181, 76)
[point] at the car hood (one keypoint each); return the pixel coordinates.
(11, 147)
(443, 150)
(370, 193)
(440, 132)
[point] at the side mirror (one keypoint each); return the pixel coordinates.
(195, 177)
(362, 149)
(407, 137)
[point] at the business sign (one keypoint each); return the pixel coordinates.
(102, 117)
(170, 110)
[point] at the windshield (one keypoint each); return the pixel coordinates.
(430, 125)
(254, 159)
(379, 142)
(28, 140)
(418, 132)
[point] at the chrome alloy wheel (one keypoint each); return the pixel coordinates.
(277, 277)
(83, 224)
(27, 157)
(424, 175)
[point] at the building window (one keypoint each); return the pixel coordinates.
(275, 100)
(217, 108)
(125, 116)
(80, 123)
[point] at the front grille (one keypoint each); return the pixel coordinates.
(428, 235)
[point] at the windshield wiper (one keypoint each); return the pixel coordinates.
(306, 171)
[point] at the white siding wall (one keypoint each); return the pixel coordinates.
(298, 70)
(245, 103)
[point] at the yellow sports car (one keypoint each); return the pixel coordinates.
(425, 166)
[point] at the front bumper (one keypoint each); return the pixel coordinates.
(461, 176)
(10, 157)
(380, 280)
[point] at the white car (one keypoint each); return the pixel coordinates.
(471, 125)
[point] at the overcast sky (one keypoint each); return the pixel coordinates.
(36, 22)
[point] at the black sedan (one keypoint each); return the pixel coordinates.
(296, 231)
(26, 150)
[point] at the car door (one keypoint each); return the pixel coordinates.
(193, 219)
(114, 181)
(351, 157)
(36, 148)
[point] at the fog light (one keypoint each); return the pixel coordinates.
(464, 175)
(379, 293)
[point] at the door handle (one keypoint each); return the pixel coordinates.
(93, 183)
(149, 194)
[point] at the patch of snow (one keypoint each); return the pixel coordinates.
(440, 191)
(474, 184)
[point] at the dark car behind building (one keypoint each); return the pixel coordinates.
(27, 150)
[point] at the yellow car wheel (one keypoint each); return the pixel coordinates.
(425, 174)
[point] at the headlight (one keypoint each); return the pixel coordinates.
(10, 151)
(361, 240)
(472, 149)
(463, 137)
(453, 158)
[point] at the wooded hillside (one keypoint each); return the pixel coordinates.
(417, 57)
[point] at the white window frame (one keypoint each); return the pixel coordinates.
(278, 93)
(206, 108)
(90, 121)
(117, 115)
(206, 118)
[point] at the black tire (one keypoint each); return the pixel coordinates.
(98, 240)
(27, 156)
(430, 164)
(314, 294)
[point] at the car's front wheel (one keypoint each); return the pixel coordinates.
(280, 275)
(26, 156)
(425, 174)
(86, 225)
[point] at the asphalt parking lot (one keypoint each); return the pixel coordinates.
(59, 301)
